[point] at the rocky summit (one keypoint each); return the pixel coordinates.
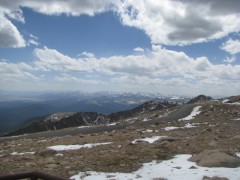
(208, 136)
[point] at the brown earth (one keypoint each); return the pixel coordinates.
(216, 128)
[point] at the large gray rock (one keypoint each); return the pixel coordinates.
(216, 158)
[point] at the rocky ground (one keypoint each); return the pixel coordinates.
(216, 127)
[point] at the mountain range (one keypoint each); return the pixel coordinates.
(20, 110)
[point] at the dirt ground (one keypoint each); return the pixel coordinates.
(216, 127)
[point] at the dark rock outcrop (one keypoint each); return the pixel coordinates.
(200, 98)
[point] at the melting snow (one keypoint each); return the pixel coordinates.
(165, 169)
(75, 147)
(59, 154)
(83, 127)
(170, 128)
(23, 153)
(145, 119)
(237, 119)
(188, 125)
(236, 103)
(149, 140)
(112, 124)
(194, 112)
(43, 140)
(225, 100)
(148, 131)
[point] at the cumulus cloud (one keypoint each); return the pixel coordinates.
(9, 34)
(177, 22)
(16, 71)
(57, 7)
(168, 22)
(157, 70)
(231, 46)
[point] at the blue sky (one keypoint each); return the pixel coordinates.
(168, 46)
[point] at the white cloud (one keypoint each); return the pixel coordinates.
(230, 59)
(16, 72)
(168, 22)
(165, 70)
(32, 42)
(160, 70)
(9, 34)
(138, 49)
(231, 46)
(57, 7)
(52, 60)
(179, 22)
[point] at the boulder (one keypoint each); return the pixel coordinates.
(214, 178)
(216, 158)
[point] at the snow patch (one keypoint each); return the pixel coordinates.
(188, 125)
(59, 154)
(112, 124)
(145, 119)
(237, 119)
(167, 170)
(170, 128)
(23, 153)
(225, 101)
(43, 140)
(80, 127)
(235, 103)
(194, 112)
(75, 147)
(148, 131)
(149, 140)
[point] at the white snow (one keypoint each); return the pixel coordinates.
(188, 125)
(225, 100)
(148, 131)
(149, 140)
(170, 128)
(112, 124)
(145, 119)
(59, 154)
(75, 147)
(236, 103)
(173, 169)
(194, 112)
(23, 153)
(80, 127)
(43, 140)
(237, 119)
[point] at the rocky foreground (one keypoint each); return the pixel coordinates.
(215, 127)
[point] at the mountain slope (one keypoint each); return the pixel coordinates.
(89, 118)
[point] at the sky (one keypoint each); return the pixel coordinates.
(181, 47)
